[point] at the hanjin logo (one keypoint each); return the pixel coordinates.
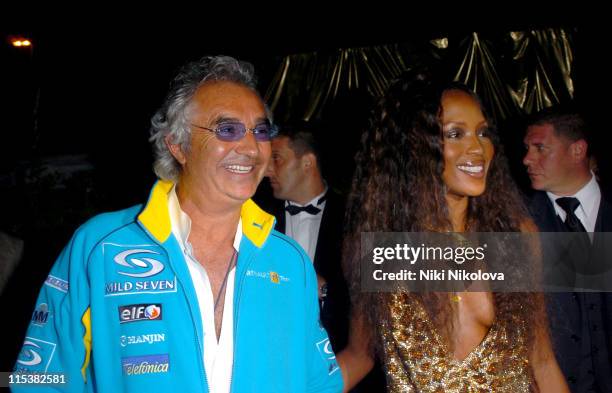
(136, 265)
(140, 312)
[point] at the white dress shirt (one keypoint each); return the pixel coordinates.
(304, 227)
(218, 356)
(589, 197)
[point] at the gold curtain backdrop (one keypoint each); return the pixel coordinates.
(515, 73)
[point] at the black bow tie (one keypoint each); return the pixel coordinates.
(310, 209)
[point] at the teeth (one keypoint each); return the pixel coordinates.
(471, 169)
(239, 168)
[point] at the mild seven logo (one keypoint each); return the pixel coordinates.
(136, 269)
(135, 265)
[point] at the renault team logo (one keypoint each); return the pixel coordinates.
(35, 355)
(325, 349)
(326, 352)
(135, 265)
(30, 355)
(140, 312)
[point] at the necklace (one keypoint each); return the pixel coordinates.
(223, 284)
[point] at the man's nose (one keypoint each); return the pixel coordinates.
(248, 145)
(528, 158)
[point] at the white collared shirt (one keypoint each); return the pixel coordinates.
(589, 197)
(218, 356)
(304, 227)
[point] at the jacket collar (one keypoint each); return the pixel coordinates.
(155, 217)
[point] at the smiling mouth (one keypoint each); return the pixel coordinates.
(472, 169)
(240, 169)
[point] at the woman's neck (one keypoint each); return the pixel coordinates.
(457, 209)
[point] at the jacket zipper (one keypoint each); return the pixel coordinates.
(197, 338)
(237, 311)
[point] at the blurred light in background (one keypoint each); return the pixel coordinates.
(21, 42)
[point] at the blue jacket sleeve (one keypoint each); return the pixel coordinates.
(323, 372)
(58, 339)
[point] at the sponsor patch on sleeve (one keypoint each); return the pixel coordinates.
(35, 355)
(57, 283)
(327, 354)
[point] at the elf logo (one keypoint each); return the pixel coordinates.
(140, 312)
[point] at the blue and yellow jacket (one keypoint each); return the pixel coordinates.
(118, 311)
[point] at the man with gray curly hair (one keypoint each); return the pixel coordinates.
(193, 291)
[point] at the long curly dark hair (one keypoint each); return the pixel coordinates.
(397, 187)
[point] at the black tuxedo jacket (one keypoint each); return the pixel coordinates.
(328, 264)
(580, 323)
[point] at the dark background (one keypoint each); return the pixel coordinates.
(80, 99)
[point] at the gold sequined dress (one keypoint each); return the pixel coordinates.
(417, 360)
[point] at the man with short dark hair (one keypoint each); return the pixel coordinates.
(194, 291)
(312, 214)
(569, 199)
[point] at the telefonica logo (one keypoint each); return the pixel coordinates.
(135, 266)
(149, 364)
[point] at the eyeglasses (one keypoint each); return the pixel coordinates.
(232, 132)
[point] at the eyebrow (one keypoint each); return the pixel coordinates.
(223, 119)
(462, 123)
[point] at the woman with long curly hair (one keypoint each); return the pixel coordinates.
(431, 161)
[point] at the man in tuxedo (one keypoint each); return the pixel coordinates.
(311, 213)
(568, 198)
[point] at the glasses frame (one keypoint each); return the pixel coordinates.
(272, 134)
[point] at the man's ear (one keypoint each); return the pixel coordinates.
(578, 150)
(176, 150)
(309, 161)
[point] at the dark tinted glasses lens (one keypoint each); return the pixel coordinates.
(263, 132)
(230, 132)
